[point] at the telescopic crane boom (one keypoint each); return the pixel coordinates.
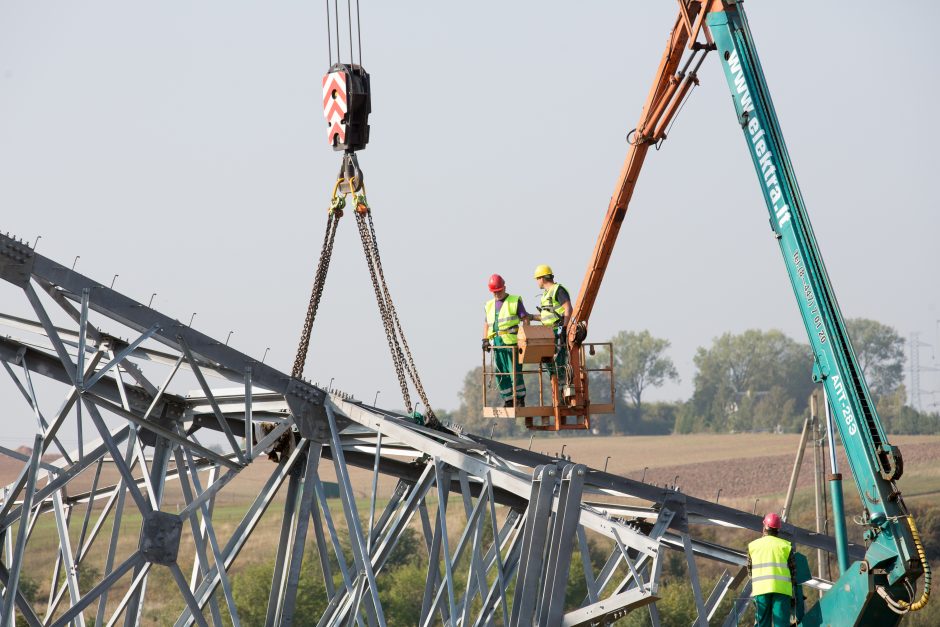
(879, 589)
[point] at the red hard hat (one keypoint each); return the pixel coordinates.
(497, 283)
(772, 521)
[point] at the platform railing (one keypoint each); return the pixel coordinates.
(542, 376)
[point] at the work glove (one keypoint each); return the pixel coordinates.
(486, 345)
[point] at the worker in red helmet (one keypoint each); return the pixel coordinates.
(771, 564)
(504, 313)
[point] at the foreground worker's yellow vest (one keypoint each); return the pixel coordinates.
(769, 571)
(552, 312)
(508, 324)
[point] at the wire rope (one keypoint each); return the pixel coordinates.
(359, 31)
(329, 41)
(349, 22)
(336, 19)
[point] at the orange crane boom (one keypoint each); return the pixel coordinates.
(670, 87)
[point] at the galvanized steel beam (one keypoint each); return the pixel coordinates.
(148, 433)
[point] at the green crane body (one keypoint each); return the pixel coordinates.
(891, 562)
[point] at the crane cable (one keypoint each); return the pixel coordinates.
(899, 606)
(350, 183)
(329, 37)
(920, 603)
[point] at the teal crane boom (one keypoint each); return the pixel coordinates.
(879, 589)
(891, 561)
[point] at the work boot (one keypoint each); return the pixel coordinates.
(520, 401)
(507, 403)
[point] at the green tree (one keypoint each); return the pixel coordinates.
(773, 409)
(640, 363)
(909, 420)
(676, 606)
(29, 588)
(251, 588)
(738, 371)
(576, 590)
(688, 420)
(880, 353)
(401, 593)
(470, 413)
(408, 550)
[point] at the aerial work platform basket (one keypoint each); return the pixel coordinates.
(536, 358)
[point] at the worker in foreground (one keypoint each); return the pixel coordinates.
(555, 311)
(504, 313)
(771, 563)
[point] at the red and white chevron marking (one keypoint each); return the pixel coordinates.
(334, 106)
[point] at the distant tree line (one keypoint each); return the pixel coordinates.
(752, 381)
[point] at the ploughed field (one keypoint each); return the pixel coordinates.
(743, 466)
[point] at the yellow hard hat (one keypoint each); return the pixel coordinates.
(542, 270)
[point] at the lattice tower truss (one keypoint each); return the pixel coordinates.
(504, 557)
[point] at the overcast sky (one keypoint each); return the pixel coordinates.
(182, 146)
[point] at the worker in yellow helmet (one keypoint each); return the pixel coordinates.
(771, 563)
(555, 311)
(504, 313)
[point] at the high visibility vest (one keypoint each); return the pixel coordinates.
(552, 312)
(507, 326)
(769, 571)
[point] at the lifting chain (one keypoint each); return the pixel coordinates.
(393, 344)
(397, 343)
(319, 280)
(350, 181)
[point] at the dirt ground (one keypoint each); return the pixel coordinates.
(740, 465)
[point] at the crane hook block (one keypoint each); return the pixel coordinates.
(347, 103)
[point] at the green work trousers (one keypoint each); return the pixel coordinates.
(505, 367)
(559, 365)
(772, 610)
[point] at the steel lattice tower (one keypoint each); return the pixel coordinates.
(500, 525)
